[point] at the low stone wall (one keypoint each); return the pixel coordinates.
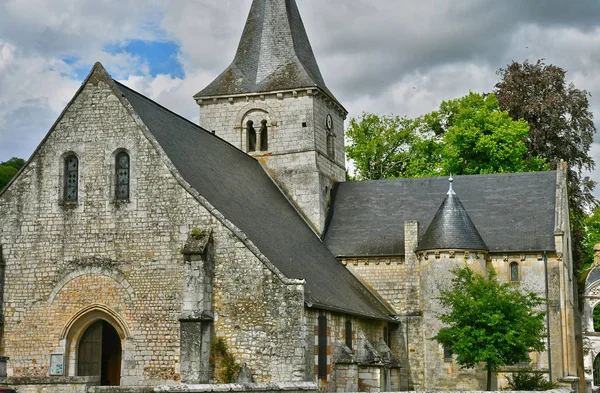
(50, 384)
(82, 385)
(120, 389)
(558, 390)
(289, 387)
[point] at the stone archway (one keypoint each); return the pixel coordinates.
(96, 339)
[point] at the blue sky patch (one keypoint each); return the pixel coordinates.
(81, 70)
(161, 56)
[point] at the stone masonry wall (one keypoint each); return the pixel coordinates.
(297, 149)
(441, 373)
(125, 257)
(531, 278)
(391, 278)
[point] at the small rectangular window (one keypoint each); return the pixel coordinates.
(514, 272)
(447, 353)
(386, 335)
(349, 332)
(322, 349)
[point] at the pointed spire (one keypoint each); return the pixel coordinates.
(451, 227)
(273, 54)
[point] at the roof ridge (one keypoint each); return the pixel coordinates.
(407, 179)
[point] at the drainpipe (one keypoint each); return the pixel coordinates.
(548, 318)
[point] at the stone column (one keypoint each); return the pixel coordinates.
(412, 371)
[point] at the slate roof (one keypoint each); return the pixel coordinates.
(451, 227)
(274, 53)
(236, 185)
(512, 212)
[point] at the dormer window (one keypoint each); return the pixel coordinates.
(71, 179)
(264, 136)
(122, 172)
(251, 133)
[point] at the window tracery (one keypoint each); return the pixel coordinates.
(71, 178)
(122, 176)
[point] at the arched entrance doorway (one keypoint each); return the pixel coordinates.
(99, 353)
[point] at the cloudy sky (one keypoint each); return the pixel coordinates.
(382, 56)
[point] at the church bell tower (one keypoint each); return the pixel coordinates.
(272, 103)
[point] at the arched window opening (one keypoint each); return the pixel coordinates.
(514, 272)
(331, 144)
(122, 171)
(597, 370)
(71, 178)
(99, 353)
(596, 318)
(264, 136)
(251, 134)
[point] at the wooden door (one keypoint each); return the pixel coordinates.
(89, 357)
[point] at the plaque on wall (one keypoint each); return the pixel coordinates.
(57, 364)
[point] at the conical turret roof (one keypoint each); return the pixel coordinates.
(451, 228)
(273, 54)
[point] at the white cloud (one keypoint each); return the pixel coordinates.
(387, 56)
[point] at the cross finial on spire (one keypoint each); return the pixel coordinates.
(450, 190)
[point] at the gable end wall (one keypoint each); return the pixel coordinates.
(129, 256)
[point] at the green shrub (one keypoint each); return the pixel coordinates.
(226, 368)
(527, 379)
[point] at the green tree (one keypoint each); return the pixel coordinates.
(561, 128)
(489, 322)
(378, 145)
(468, 135)
(8, 169)
(474, 137)
(591, 230)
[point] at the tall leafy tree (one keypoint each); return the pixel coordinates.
(468, 135)
(474, 137)
(379, 145)
(591, 230)
(8, 169)
(489, 322)
(561, 127)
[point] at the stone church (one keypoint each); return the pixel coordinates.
(133, 241)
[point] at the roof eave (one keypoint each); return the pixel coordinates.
(199, 96)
